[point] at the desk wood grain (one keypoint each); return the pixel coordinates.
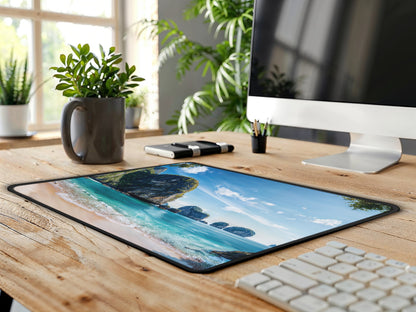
(51, 263)
(54, 137)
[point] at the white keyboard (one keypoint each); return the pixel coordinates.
(336, 278)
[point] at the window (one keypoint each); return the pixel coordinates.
(43, 29)
(301, 39)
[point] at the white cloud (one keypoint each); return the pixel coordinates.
(328, 222)
(233, 209)
(229, 193)
(268, 204)
(195, 170)
(259, 219)
(264, 221)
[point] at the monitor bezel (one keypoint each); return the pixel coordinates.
(383, 120)
(374, 129)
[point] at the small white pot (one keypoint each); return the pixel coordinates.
(14, 120)
(132, 116)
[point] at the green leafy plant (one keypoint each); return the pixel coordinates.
(83, 74)
(137, 99)
(15, 82)
(226, 63)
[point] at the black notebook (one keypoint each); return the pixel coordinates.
(188, 149)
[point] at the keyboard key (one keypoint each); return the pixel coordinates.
(309, 303)
(252, 280)
(397, 264)
(371, 294)
(389, 271)
(342, 299)
(366, 306)
(334, 309)
(375, 257)
(410, 309)
(327, 277)
(269, 285)
(349, 258)
(291, 278)
(336, 244)
(317, 259)
(364, 276)
(284, 293)
(405, 291)
(394, 302)
(355, 251)
(329, 251)
(408, 278)
(369, 265)
(322, 291)
(342, 268)
(349, 286)
(311, 271)
(384, 283)
(300, 267)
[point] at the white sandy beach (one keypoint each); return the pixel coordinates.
(47, 193)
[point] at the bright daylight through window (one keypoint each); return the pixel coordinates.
(44, 29)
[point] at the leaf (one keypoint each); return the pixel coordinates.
(102, 51)
(76, 51)
(137, 79)
(69, 93)
(131, 70)
(63, 86)
(69, 59)
(60, 76)
(85, 49)
(62, 57)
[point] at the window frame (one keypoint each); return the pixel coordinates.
(37, 16)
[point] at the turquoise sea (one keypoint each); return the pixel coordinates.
(200, 244)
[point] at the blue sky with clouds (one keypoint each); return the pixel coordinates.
(277, 212)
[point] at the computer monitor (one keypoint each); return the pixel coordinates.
(340, 65)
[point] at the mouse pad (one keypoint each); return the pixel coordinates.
(197, 217)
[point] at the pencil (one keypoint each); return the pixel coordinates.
(256, 132)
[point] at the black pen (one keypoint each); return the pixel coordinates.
(265, 128)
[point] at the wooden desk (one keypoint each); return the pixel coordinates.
(54, 137)
(50, 263)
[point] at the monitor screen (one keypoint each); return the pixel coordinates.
(335, 50)
(339, 65)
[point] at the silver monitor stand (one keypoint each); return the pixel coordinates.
(366, 154)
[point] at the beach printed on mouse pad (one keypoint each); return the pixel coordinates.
(198, 216)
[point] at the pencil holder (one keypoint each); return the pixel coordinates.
(258, 143)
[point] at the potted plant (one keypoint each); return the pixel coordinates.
(15, 86)
(93, 121)
(135, 104)
(226, 63)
